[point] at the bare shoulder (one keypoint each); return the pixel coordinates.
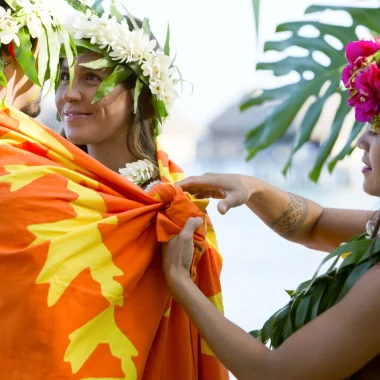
(370, 280)
(345, 338)
(363, 303)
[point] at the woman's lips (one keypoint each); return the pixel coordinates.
(366, 169)
(71, 116)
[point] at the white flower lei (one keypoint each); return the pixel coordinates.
(139, 172)
(35, 14)
(128, 46)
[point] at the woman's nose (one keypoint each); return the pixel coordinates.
(362, 142)
(72, 95)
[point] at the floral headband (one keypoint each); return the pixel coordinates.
(42, 19)
(362, 79)
(130, 52)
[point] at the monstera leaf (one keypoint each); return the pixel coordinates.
(325, 83)
(256, 12)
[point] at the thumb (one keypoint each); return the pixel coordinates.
(191, 226)
(232, 200)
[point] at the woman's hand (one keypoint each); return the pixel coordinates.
(234, 189)
(178, 254)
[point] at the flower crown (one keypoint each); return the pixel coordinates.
(362, 79)
(43, 19)
(130, 52)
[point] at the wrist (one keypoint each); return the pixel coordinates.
(256, 189)
(178, 282)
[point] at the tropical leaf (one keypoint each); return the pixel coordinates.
(119, 75)
(86, 44)
(79, 6)
(3, 78)
(115, 12)
(167, 42)
(256, 11)
(317, 295)
(325, 83)
(54, 44)
(12, 3)
(146, 27)
(100, 63)
(131, 18)
(25, 57)
(71, 59)
(98, 6)
(138, 89)
(43, 57)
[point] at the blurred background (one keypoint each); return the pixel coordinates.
(217, 51)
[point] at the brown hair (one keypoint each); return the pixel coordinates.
(141, 133)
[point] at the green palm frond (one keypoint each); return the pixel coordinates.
(314, 297)
(325, 83)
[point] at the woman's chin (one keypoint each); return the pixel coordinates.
(371, 189)
(77, 140)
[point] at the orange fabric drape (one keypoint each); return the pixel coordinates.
(82, 293)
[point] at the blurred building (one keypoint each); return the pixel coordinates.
(221, 149)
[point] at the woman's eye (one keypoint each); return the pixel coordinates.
(65, 76)
(371, 132)
(92, 77)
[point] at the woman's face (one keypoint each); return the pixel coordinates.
(370, 143)
(102, 122)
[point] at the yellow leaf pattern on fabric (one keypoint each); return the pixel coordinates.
(21, 175)
(34, 133)
(74, 258)
(173, 177)
(69, 254)
(102, 329)
(39, 134)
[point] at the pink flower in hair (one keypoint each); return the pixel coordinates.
(362, 78)
(366, 98)
(360, 49)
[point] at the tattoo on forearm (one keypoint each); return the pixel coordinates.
(294, 217)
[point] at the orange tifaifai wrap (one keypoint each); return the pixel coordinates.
(82, 293)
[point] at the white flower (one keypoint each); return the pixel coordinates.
(42, 13)
(26, 5)
(34, 25)
(156, 87)
(139, 172)
(8, 28)
(147, 69)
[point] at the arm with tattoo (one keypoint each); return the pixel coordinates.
(293, 218)
(303, 221)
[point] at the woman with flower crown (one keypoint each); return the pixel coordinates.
(118, 129)
(330, 327)
(82, 291)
